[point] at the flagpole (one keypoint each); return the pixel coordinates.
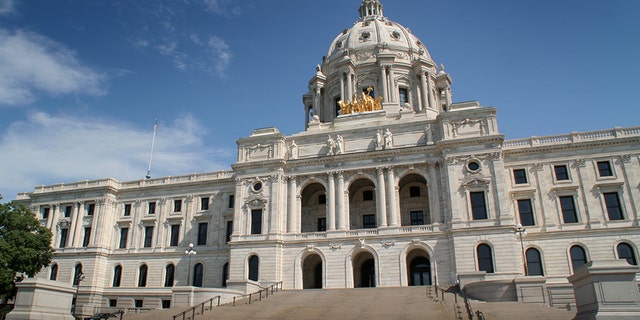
(153, 141)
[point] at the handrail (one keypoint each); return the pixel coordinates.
(193, 309)
(273, 288)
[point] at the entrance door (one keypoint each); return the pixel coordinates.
(368, 274)
(420, 272)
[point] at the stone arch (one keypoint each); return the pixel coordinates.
(411, 251)
(313, 213)
(298, 281)
(415, 206)
(355, 262)
(362, 202)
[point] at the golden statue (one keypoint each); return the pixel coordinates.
(365, 103)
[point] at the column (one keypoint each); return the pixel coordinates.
(381, 205)
(292, 206)
(340, 216)
(77, 224)
(96, 222)
(53, 216)
(391, 198)
(393, 92)
(349, 87)
(342, 87)
(434, 199)
(331, 204)
(432, 103)
(383, 77)
(424, 92)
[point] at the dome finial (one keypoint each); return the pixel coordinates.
(369, 8)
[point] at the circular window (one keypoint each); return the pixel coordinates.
(396, 35)
(366, 35)
(257, 186)
(473, 166)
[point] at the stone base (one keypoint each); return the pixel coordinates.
(40, 299)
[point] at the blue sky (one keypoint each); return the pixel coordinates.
(81, 81)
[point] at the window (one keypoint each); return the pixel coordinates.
(124, 234)
(202, 233)
(625, 251)
(148, 236)
(485, 258)
(604, 169)
(53, 275)
(367, 195)
(204, 203)
(254, 265)
(229, 230)
(138, 303)
(322, 224)
(256, 221)
(403, 93)
(417, 218)
(578, 257)
(127, 209)
(414, 192)
(478, 205)
(113, 303)
(526, 212)
(231, 201)
(337, 105)
(520, 176)
(67, 211)
(45, 213)
(177, 205)
(63, 237)
(91, 208)
(142, 276)
(534, 263)
(612, 201)
(169, 275)
(369, 221)
(175, 235)
(77, 274)
(87, 236)
(561, 172)
(152, 208)
(225, 274)
(117, 276)
(322, 199)
(568, 207)
(166, 304)
(198, 275)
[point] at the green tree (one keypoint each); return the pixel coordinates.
(25, 245)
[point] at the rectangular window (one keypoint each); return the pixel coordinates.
(369, 221)
(91, 208)
(63, 237)
(166, 304)
(202, 233)
(148, 236)
(614, 209)
(604, 169)
(124, 234)
(175, 235)
(404, 96)
(414, 192)
(367, 195)
(152, 208)
(322, 199)
(204, 203)
(177, 205)
(138, 303)
(568, 207)
(526, 212)
(229, 230)
(232, 200)
(87, 236)
(561, 172)
(45, 213)
(520, 176)
(113, 303)
(67, 212)
(256, 221)
(478, 205)
(322, 224)
(417, 218)
(127, 209)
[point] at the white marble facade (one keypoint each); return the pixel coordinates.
(419, 191)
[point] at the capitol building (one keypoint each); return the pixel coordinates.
(391, 184)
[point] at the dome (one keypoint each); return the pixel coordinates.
(372, 33)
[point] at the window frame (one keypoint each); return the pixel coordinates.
(474, 206)
(204, 203)
(124, 231)
(633, 256)
(566, 176)
(520, 176)
(203, 230)
(148, 236)
(256, 221)
(117, 276)
(151, 208)
(564, 211)
(483, 260)
(413, 214)
(86, 239)
(609, 207)
(607, 169)
(177, 205)
(369, 221)
(539, 263)
(143, 275)
(522, 213)
(126, 210)
(573, 259)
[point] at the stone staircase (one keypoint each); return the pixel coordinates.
(364, 303)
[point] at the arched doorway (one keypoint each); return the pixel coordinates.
(312, 272)
(419, 268)
(364, 270)
(314, 208)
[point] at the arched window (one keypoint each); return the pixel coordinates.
(534, 263)
(485, 258)
(578, 257)
(142, 276)
(77, 274)
(53, 275)
(198, 275)
(625, 251)
(254, 264)
(169, 275)
(225, 274)
(117, 275)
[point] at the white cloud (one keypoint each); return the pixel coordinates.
(7, 7)
(218, 54)
(48, 149)
(31, 63)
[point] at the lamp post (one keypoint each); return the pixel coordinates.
(521, 232)
(190, 253)
(78, 279)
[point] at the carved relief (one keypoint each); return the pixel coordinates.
(259, 151)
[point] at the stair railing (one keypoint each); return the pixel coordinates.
(270, 290)
(193, 309)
